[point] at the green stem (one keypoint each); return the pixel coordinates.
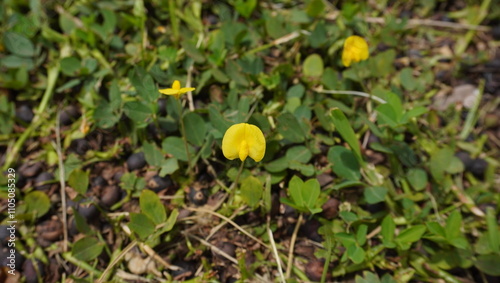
(232, 188)
(184, 139)
(174, 21)
(325, 266)
(52, 74)
(292, 246)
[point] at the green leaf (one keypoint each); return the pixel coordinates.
(345, 130)
(453, 224)
(245, 7)
(87, 249)
(315, 8)
(18, 44)
(104, 115)
(168, 166)
(289, 128)
(152, 154)
(344, 163)
(144, 84)
(411, 234)
(137, 111)
(388, 229)
(313, 66)
(417, 178)
(375, 194)
(277, 165)
(175, 146)
(152, 207)
(356, 253)
(361, 234)
(493, 235)
(295, 190)
(196, 129)
(141, 225)
(298, 153)
(81, 223)
(310, 193)
(251, 190)
(70, 66)
(38, 203)
(217, 120)
(407, 79)
(79, 180)
(348, 216)
(172, 219)
(436, 228)
(489, 264)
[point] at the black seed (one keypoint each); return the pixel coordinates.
(136, 161)
(24, 114)
(465, 158)
(50, 230)
(330, 208)
(158, 183)
(87, 209)
(43, 181)
(99, 181)
(30, 170)
(198, 197)
(80, 146)
(110, 195)
(69, 115)
(310, 230)
(478, 167)
(495, 32)
(162, 107)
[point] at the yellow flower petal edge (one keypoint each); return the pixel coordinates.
(355, 50)
(176, 89)
(243, 140)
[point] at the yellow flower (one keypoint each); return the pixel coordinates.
(242, 140)
(176, 89)
(355, 50)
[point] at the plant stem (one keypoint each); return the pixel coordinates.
(184, 139)
(292, 246)
(275, 250)
(52, 74)
(232, 190)
(325, 266)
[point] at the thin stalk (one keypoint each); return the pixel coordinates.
(352, 92)
(325, 266)
(52, 75)
(292, 246)
(275, 250)
(62, 182)
(184, 139)
(232, 190)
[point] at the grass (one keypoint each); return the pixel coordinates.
(383, 171)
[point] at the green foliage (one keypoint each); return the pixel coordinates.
(304, 195)
(79, 180)
(87, 249)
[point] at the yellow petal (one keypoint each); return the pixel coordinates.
(232, 140)
(256, 142)
(242, 140)
(176, 85)
(355, 50)
(169, 91)
(186, 89)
